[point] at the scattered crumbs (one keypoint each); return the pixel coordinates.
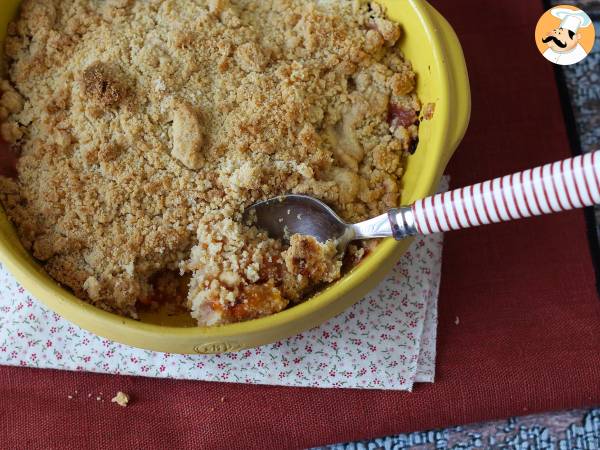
(280, 220)
(299, 216)
(89, 395)
(70, 397)
(289, 211)
(222, 399)
(212, 409)
(456, 321)
(98, 398)
(76, 392)
(121, 399)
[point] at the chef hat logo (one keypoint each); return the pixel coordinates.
(565, 35)
(571, 19)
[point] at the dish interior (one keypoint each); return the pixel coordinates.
(421, 44)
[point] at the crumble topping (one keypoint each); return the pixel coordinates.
(312, 261)
(187, 136)
(101, 86)
(145, 128)
(239, 273)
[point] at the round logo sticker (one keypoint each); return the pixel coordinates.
(565, 35)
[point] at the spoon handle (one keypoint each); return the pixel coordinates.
(563, 185)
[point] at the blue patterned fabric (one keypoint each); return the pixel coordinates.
(572, 430)
(583, 85)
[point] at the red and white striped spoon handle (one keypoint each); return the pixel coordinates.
(572, 183)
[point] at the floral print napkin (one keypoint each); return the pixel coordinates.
(386, 341)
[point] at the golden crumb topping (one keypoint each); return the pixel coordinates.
(239, 273)
(307, 258)
(102, 87)
(145, 128)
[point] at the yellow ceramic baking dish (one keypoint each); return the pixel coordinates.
(432, 46)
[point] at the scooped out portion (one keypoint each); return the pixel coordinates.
(144, 129)
(238, 273)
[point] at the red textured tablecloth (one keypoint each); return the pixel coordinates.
(529, 333)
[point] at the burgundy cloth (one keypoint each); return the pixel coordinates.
(528, 337)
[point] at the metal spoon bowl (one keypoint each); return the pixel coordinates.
(286, 215)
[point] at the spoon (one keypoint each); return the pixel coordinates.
(563, 185)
